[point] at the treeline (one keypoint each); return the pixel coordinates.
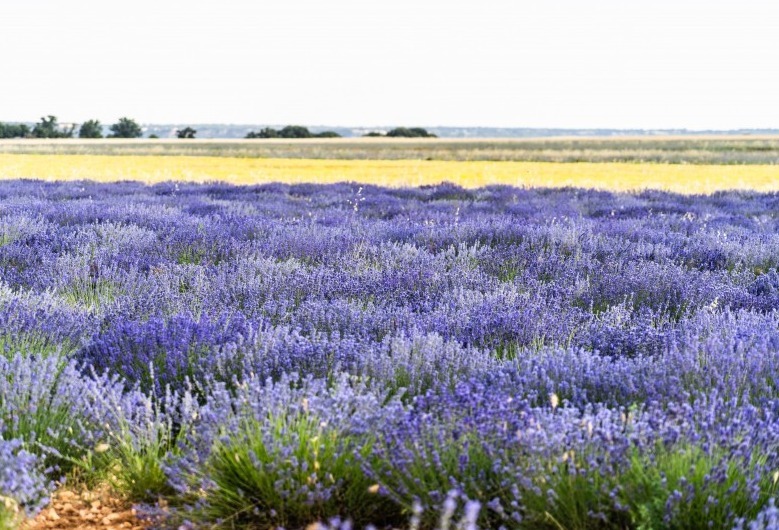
(12, 130)
(298, 131)
(291, 131)
(404, 132)
(49, 127)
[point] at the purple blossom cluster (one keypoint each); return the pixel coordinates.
(23, 486)
(504, 357)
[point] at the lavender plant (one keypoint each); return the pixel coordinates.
(23, 486)
(54, 409)
(557, 357)
(284, 454)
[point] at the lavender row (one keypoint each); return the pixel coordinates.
(275, 355)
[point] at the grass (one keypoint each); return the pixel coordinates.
(290, 471)
(620, 176)
(680, 488)
(89, 294)
(10, 513)
(138, 456)
(441, 463)
(29, 342)
(663, 149)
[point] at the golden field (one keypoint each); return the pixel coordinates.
(618, 176)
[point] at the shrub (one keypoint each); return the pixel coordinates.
(413, 132)
(186, 133)
(267, 132)
(55, 410)
(284, 454)
(161, 353)
(23, 488)
(147, 432)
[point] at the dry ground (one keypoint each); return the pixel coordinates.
(96, 509)
(719, 149)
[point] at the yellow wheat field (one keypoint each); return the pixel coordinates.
(611, 176)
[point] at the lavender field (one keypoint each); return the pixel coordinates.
(274, 356)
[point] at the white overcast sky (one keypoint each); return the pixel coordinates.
(521, 63)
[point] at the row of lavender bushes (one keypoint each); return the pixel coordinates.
(273, 356)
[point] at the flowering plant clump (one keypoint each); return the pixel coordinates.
(23, 486)
(435, 357)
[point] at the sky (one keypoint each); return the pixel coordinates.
(516, 63)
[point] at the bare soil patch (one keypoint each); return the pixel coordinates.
(87, 509)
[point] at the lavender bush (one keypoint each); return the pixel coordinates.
(23, 487)
(432, 357)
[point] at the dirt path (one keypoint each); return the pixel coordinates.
(86, 510)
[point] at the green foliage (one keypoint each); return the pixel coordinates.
(126, 128)
(32, 342)
(138, 452)
(91, 129)
(690, 485)
(677, 487)
(191, 255)
(569, 495)
(89, 293)
(45, 426)
(291, 132)
(295, 131)
(11, 130)
(413, 132)
(8, 234)
(507, 350)
(403, 132)
(461, 459)
(327, 134)
(153, 137)
(49, 128)
(138, 470)
(267, 132)
(186, 133)
(259, 484)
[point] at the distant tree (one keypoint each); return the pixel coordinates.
(373, 134)
(295, 131)
(267, 132)
(11, 130)
(292, 132)
(419, 132)
(45, 128)
(327, 134)
(399, 132)
(91, 129)
(153, 137)
(49, 128)
(186, 133)
(414, 132)
(125, 128)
